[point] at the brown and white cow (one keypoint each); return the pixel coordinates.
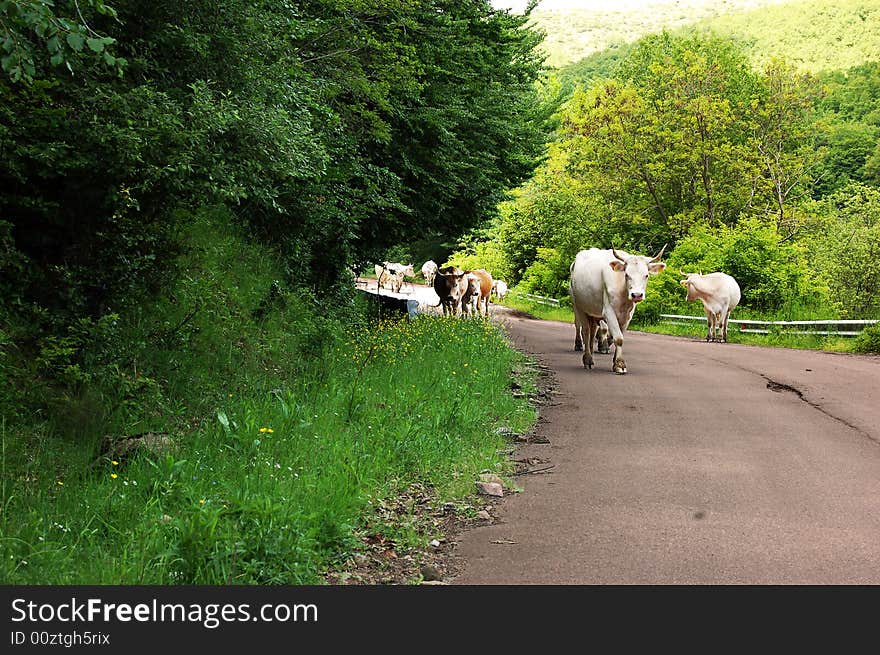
(485, 279)
(450, 284)
(470, 299)
(719, 293)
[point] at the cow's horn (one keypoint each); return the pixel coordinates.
(682, 272)
(614, 252)
(660, 254)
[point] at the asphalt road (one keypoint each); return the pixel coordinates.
(706, 463)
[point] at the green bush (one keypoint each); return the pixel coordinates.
(548, 275)
(869, 340)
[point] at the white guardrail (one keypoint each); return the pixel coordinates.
(744, 325)
(676, 319)
(541, 300)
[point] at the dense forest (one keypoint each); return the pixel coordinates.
(185, 191)
(327, 130)
(770, 173)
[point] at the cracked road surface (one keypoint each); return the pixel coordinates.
(705, 464)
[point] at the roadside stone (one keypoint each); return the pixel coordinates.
(490, 488)
(491, 477)
(484, 515)
(430, 574)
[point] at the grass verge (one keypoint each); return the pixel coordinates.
(284, 431)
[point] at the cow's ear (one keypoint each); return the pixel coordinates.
(683, 283)
(656, 268)
(617, 265)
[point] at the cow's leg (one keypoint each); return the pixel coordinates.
(710, 323)
(724, 326)
(590, 333)
(618, 365)
(602, 339)
(578, 340)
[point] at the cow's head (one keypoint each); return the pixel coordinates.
(636, 269)
(450, 285)
(690, 281)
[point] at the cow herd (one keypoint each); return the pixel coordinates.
(605, 286)
(460, 292)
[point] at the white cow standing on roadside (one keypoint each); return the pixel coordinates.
(608, 284)
(392, 275)
(429, 270)
(719, 293)
(499, 288)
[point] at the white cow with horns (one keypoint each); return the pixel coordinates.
(719, 293)
(608, 284)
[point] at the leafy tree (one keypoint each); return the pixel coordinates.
(850, 112)
(29, 26)
(845, 248)
(786, 141)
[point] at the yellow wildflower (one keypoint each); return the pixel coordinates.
(114, 476)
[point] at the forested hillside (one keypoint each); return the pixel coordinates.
(814, 35)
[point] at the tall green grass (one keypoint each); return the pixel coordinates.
(289, 426)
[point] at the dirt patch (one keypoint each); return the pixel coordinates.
(382, 559)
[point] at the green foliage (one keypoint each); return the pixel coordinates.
(850, 107)
(481, 254)
(28, 27)
(844, 248)
(577, 32)
(329, 154)
(815, 35)
(547, 275)
(868, 340)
